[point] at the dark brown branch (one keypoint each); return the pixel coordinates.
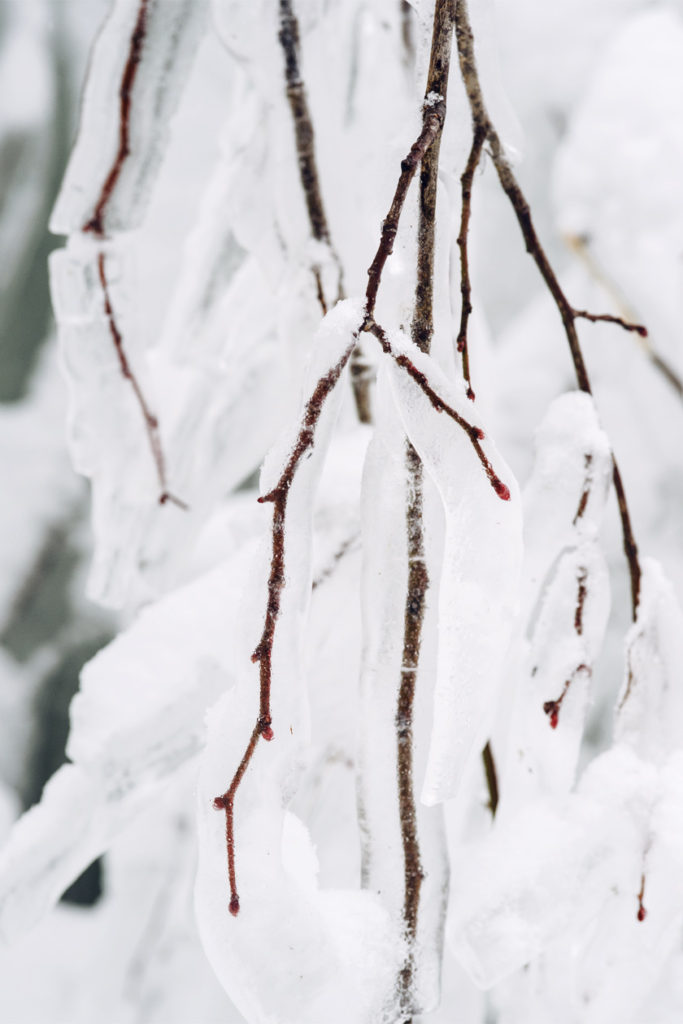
(580, 600)
(150, 420)
(475, 434)
(432, 122)
(304, 135)
(491, 777)
(465, 286)
(585, 494)
(568, 314)
(579, 245)
(96, 222)
(263, 653)
(609, 319)
(427, 150)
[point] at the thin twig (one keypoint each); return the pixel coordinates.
(137, 39)
(263, 653)
(432, 122)
(475, 434)
(304, 134)
(609, 319)
(465, 286)
(568, 314)
(579, 246)
(150, 420)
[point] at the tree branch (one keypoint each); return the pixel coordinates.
(137, 39)
(568, 314)
(465, 285)
(304, 134)
(150, 420)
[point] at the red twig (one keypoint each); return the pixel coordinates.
(263, 653)
(475, 434)
(150, 420)
(96, 222)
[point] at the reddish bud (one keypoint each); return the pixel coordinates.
(267, 733)
(554, 718)
(219, 803)
(470, 394)
(642, 913)
(479, 434)
(234, 905)
(642, 331)
(501, 489)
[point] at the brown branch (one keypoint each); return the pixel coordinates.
(465, 286)
(150, 420)
(263, 653)
(579, 245)
(432, 122)
(304, 135)
(427, 150)
(475, 434)
(609, 319)
(491, 777)
(568, 314)
(96, 222)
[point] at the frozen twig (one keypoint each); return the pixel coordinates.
(465, 285)
(304, 134)
(263, 653)
(580, 246)
(137, 39)
(422, 327)
(150, 420)
(482, 122)
(475, 434)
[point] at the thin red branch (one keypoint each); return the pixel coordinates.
(137, 39)
(568, 315)
(150, 420)
(263, 653)
(433, 115)
(475, 434)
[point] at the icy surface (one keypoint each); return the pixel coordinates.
(480, 577)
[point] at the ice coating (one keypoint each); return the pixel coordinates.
(480, 576)
(566, 603)
(385, 569)
(649, 714)
(138, 69)
(343, 974)
(138, 718)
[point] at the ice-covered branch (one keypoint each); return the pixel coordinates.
(482, 122)
(465, 286)
(304, 134)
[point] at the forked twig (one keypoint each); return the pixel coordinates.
(481, 121)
